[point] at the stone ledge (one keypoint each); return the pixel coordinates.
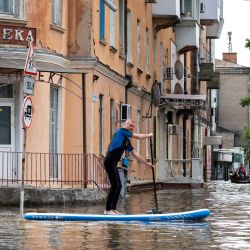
(36, 197)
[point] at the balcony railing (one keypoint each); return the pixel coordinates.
(49, 170)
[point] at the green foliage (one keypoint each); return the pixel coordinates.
(246, 142)
(245, 101)
(247, 44)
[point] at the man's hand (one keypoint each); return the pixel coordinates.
(150, 135)
(151, 165)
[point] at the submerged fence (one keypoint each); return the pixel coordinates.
(52, 170)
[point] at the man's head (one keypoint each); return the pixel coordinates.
(129, 124)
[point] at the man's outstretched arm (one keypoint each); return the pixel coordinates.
(140, 159)
(142, 136)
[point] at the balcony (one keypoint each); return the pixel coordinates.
(207, 74)
(210, 12)
(214, 30)
(187, 35)
(166, 13)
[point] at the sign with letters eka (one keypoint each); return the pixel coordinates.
(17, 35)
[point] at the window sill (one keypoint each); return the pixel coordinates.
(113, 49)
(139, 71)
(130, 64)
(56, 27)
(103, 42)
(122, 55)
(14, 20)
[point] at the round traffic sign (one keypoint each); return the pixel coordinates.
(27, 112)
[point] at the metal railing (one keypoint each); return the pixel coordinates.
(51, 170)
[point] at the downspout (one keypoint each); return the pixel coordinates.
(84, 129)
(125, 48)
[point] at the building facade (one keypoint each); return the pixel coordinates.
(97, 62)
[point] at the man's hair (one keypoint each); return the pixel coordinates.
(129, 121)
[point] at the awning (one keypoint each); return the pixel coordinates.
(11, 65)
(181, 101)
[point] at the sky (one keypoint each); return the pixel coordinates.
(237, 20)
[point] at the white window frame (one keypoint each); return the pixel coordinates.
(138, 130)
(138, 29)
(16, 12)
(55, 149)
(147, 140)
(129, 37)
(112, 26)
(57, 15)
(147, 51)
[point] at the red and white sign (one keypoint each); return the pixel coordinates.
(27, 112)
(30, 65)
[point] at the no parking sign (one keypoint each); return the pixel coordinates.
(27, 112)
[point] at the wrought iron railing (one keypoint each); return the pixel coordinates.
(51, 170)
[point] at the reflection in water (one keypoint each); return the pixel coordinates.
(227, 228)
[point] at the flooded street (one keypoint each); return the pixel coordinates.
(228, 227)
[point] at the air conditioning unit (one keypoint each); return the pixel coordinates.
(173, 130)
(125, 112)
(168, 73)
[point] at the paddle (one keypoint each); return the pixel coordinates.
(154, 211)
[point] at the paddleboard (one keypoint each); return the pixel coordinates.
(182, 216)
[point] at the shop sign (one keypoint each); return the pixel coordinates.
(17, 35)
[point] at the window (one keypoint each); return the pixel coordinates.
(155, 51)
(121, 25)
(101, 120)
(112, 118)
(147, 139)
(102, 20)
(138, 130)
(129, 36)
(12, 8)
(112, 26)
(161, 68)
(57, 12)
(7, 6)
(5, 125)
(138, 44)
(53, 147)
(147, 51)
(6, 90)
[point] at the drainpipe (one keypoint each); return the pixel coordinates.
(125, 47)
(84, 129)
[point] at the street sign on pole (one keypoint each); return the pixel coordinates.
(28, 85)
(30, 65)
(27, 112)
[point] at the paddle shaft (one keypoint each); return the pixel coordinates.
(153, 172)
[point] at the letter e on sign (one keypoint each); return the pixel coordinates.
(27, 112)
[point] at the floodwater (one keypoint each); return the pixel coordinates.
(228, 227)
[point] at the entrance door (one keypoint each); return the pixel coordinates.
(7, 140)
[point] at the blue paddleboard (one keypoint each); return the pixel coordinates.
(182, 216)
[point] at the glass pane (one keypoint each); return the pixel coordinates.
(6, 91)
(6, 6)
(5, 125)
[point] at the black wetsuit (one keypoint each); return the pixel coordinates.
(119, 143)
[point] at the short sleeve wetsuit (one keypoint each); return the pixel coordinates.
(117, 146)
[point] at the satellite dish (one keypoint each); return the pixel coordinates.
(155, 95)
(179, 69)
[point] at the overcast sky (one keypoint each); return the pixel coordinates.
(236, 20)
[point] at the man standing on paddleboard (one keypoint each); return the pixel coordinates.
(117, 146)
